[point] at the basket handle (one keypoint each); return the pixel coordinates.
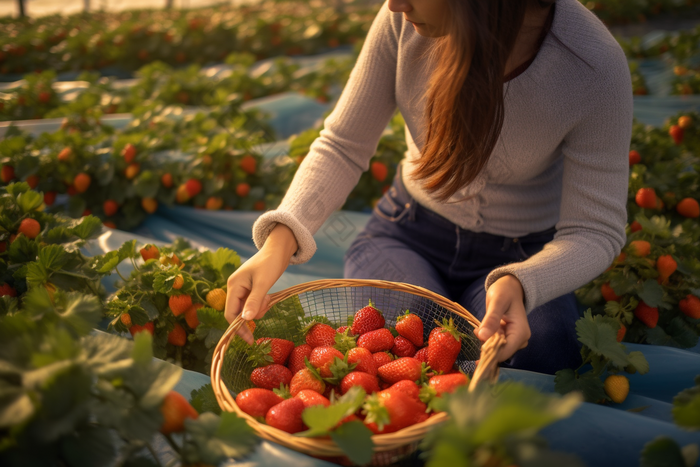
(487, 370)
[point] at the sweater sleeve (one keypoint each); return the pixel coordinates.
(593, 210)
(348, 141)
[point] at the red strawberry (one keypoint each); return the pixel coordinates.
(379, 171)
(297, 356)
(7, 289)
(149, 252)
(377, 340)
(306, 379)
(364, 360)
(29, 227)
(271, 376)
(248, 165)
(129, 153)
(319, 334)
(49, 198)
(448, 383)
(367, 319)
(690, 306)
(640, 248)
(382, 358)
(666, 266)
(403, 347)
(257, 401)
(175, 409)
(635, 226)
(389, 411)
(676, 133)
(646, 198)
(286, 415)
(407, 387)
(608, 293)
(311, 398)
(271, 350)
(635, 157)
(444, 345)
(688, 207)
(410, 326)
(193, 187)
(342, 329)
(179, 304)
(422, 355)
(400, 369)
(178, 336)
(330, 389)
(110, 207)
(322, 358)
(146, 327)
(358, 378)
(191, 315)
(647, 314)
(621, 332)
(8, 173)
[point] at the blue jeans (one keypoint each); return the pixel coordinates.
(406, 242)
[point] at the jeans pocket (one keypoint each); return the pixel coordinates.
(391, 206)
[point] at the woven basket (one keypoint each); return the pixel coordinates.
(337, 300)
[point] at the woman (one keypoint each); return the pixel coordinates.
(513, 190)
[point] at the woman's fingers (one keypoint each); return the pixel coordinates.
(235, 297)
(491, 323)
(245, 334)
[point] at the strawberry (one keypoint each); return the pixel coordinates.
(8, 173)
(448, 383)
(647, 314)
(49, 198)
(676, 133)
(410, 326)
(685, 122)
(364, 360)
(178, 336)
(125, 318)
(666, 266)
(179, 304)
(690, 306)
(257, 401)
(311, 398)
(150, 205)
(181, 195)
(175, 410)
(270, 350)
(306, 378)
(214, 203)
(379, 171)
(422, 355)
(149, 252)
(44, 97)
(382, 358)
(297, 356)
(191, 315)
(407, 387)
(249, 165)
(7, 290)
(109, 224)
(286, 415)
(608, 293)
(403, 347)
(146, 327)
(400, 369)
(319, 334)
(367, 319)
(621, 332)
(110, 207)
(635, 157)
(640, 248)
(129, 153)
(166, 180)
(271, 376)
(64, 155)
(132, 170)
(178, 282)
(389, 411)
(217, 299)
(193, 187)
(357, 378)
(30, 228)
(259, 205)
(646, 198)
(33, 181)
(377, 340)
(444, 345)
(635, 226)
(242, 189)
(342, 329)
(344, 341)
(81, 182)
(617, 387)
(322, 357)
(688, 207)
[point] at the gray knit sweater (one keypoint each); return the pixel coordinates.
(562, 156)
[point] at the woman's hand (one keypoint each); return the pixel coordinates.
(248, 286)
(505, 312)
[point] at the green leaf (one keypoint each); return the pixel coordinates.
(223, 260)
(16, 406)
(143, 348)
(686, 407)
(321, 420)
(23, 250)
(662, 452)
(677, 334)
(656, 226)
(639, 362)
(53, 257)
(37, 275)
(80, 312)
(652, 293)
(355, 439)
(211, 439)
(88, 227)
(204, 400)
(601, 338)
(29, 201)
(566, 381)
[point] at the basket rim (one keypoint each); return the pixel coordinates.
(327, 447)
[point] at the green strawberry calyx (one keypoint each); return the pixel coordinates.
(424, 369)
(312, 369)
(427, 393)
(339, 369)
(375, 412)
(449, 327)
(260, 354)
(403, 316)
(283, 391)
(344, 341)
(306, 329)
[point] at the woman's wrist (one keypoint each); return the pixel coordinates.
(282, 239)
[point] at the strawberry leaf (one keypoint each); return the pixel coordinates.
(321, 420)
(204, 400)
(88, 227)
(590, 385)
(639, 362)
(29, 201)
(662, 451)
(355, 439)
(676, 334)
(224, 262)
(651, 292)
(686, 407)
(656, 226)
(211, 439)
(597, 334)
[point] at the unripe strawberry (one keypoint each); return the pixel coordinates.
(126, 319)
(217, 299)
(617, 387)
(182, 195)
(150, 205)
(178, 282)
(685, 122)
(214, 203)
(132, 170)
(65, 154)
(640, 248)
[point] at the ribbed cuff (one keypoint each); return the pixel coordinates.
(265, 223)
(529, 288)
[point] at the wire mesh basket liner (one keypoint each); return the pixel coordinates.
(335, 302)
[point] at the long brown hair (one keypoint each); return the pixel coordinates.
(464, 99)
